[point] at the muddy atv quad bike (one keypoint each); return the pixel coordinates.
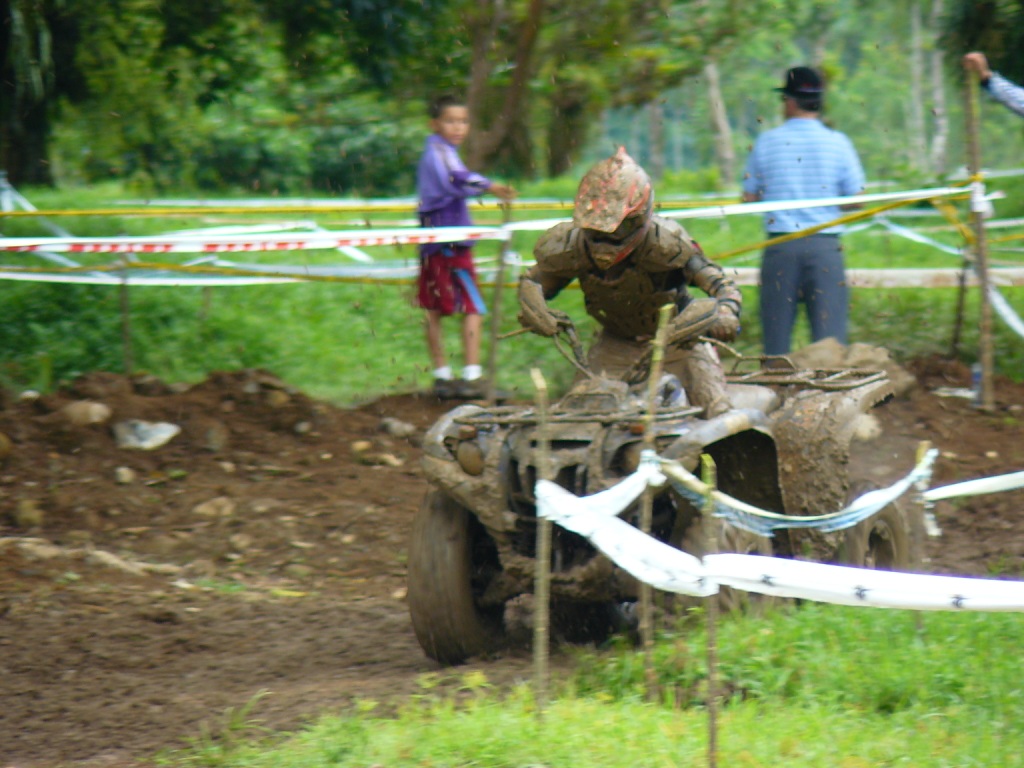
(783, 447)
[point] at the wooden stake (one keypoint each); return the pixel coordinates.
(710, 477)
(647, 500)
(126, 327)
(542, 566)
(499, 287)
(981, 250)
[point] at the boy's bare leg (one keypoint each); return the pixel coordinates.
(471, 328)
(435, 343)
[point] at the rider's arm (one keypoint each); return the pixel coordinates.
(711, 279)
(550, 283)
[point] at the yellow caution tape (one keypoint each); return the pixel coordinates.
(847, 219)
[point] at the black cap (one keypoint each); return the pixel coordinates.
(803, 83)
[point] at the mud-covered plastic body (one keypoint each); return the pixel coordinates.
(783, 447)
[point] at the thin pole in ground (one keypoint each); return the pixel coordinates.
(542, 567)
(128, 358)
(978, 212)
(710, 477)
(647, 500)
(499, 287)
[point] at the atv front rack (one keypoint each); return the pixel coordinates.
(828, 379)
(515, 415)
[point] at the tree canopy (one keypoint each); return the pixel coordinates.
(297, 95)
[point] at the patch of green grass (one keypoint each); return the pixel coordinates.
(821, 685)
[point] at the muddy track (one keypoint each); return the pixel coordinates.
(260, 556)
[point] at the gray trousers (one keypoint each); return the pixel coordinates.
(809, 271)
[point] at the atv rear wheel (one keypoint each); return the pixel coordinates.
(890, 540)
(452, 559)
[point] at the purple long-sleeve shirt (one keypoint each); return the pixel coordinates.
(443, 183)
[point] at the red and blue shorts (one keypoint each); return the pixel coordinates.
(447, 283)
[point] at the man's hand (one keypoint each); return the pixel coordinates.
(978, 63)
(727, 324)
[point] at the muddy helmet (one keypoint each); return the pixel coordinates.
(613, 208)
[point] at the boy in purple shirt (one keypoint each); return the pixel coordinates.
(447, 280)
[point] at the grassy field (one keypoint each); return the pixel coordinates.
(348, 342)
(814, 686)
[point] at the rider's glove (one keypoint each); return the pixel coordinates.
(544, 322)
(727, 324)
(534, 313)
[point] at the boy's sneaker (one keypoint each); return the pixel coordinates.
(471, 390)
(446, 389)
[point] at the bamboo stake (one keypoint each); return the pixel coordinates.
(958, 323)
(981, 250)
(710, 474)
(647, 500)
(499, 287)
(542, 567)
(128, 359)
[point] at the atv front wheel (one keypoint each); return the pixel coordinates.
(890, 540)
(452, 559)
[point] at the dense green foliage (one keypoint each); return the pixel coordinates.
(820, 685)
(328, 95)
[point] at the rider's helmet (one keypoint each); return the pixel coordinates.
(613, 208)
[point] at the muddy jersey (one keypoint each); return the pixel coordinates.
(626, 299)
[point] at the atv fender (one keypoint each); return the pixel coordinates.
(812, 431)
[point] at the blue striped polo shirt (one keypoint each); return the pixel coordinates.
(1008, 93)
(802, 159)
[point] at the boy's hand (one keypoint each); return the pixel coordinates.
(503, 191)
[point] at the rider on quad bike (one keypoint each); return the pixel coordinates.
(629, 264)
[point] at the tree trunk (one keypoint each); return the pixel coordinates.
(24, 107)
(656, 138)
(24, 145)
(567, 125)
(917, 139)
(486, 141)
(940, 133)
(725, 153)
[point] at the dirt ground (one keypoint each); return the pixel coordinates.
(147, 594)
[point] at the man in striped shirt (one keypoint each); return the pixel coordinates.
(1002, 90)
(801, 160)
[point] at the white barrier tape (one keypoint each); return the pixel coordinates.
(745, 209)
(844, 585)
(1004, 310)
(825, 202)
(980, 203)
(667, 568)
(395, 270)
(917, 237)
(249, 229)
(256, 243)
(1010, 482)
(200, 281)
(763, 523)
(643, 556)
